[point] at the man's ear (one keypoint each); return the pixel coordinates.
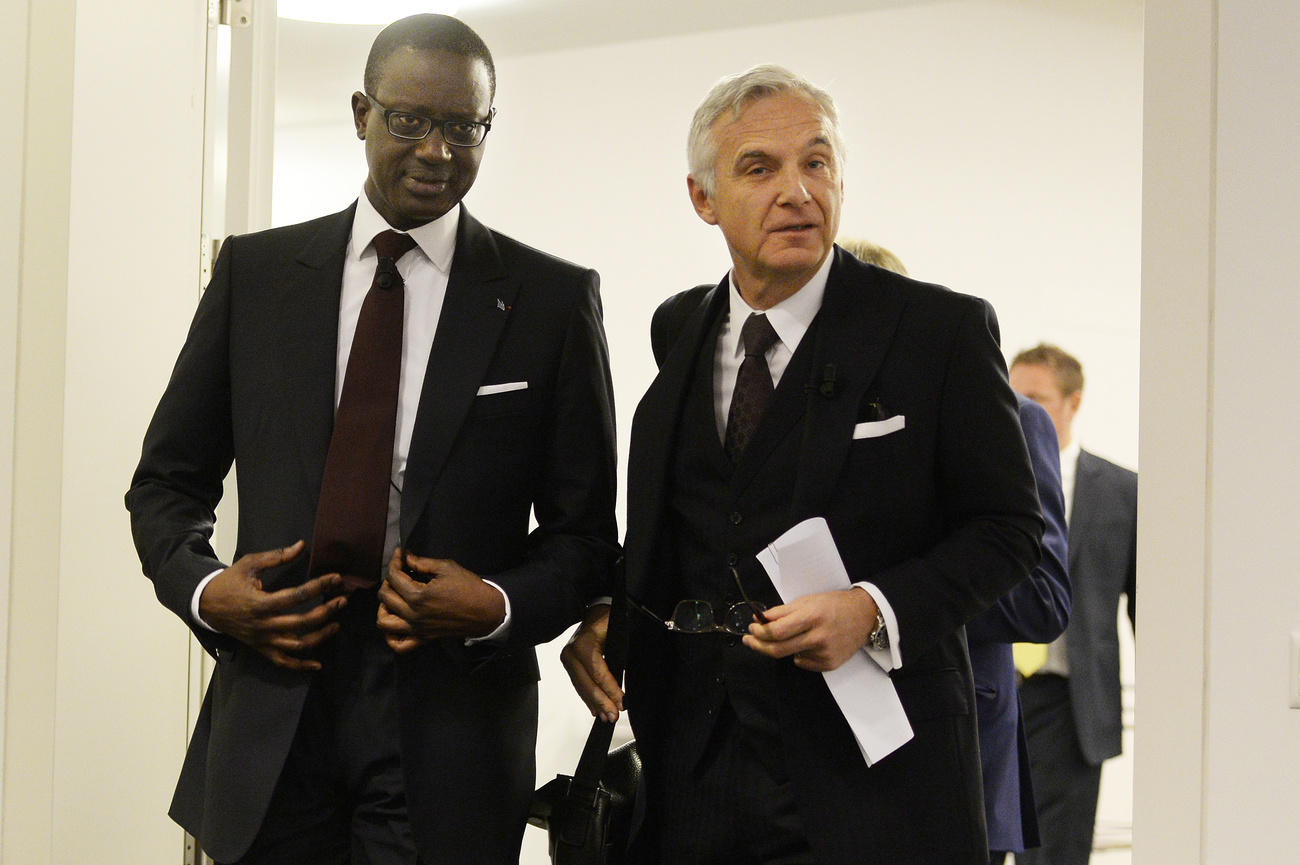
(1072, 403)
(703, 204)
(360, 113)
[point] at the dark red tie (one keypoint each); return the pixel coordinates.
(753, 385)
(352, 513)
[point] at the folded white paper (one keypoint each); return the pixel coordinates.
(489, 389)
(804, 561)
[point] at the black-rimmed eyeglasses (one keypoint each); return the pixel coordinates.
(414, 127)
(700, 617)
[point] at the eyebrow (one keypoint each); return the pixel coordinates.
(818, 141)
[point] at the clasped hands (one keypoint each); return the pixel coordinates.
(454, 602)
(819, 631)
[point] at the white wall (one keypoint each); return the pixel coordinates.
(1254, 593)
(995, 146)
(44, 85)
(1218, 745)
(132, 285)
(13, 91)
(95, 676)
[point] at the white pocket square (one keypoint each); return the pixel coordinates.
(876, 428)
(489, 389)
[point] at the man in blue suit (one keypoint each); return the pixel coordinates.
(1036, 610)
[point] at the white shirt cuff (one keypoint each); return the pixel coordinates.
(194, 600)
(603, 600)
(502, 630)
(890, 658)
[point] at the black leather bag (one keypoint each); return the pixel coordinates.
(587, 815)
(587, 823)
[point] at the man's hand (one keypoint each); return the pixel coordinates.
(235, 604)
(453, 603)
(822, 631)
(584, 659)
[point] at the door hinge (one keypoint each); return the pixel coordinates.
(235, 13)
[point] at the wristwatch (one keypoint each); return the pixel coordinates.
(879, 638)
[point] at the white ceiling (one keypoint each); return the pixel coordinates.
(526, 26)
(513, 27)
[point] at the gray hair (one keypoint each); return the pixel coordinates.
(732, 94)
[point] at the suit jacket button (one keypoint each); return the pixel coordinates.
(735, 518)
(732, 558)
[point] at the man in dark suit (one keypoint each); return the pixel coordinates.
(1072, 707)
(876, 402)
(348, 721)
(1036, 610)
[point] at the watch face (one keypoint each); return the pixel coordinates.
(880, 636)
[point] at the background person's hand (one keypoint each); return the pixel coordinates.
(584, 660)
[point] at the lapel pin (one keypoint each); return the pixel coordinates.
(501, 305)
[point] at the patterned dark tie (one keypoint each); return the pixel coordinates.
(753, 385)
(352, 512)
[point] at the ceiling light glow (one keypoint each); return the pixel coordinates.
(361, 11)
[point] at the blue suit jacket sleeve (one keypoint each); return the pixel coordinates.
(1038, 608)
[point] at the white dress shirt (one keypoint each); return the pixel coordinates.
(1058, 659)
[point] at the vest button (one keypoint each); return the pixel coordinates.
(735, 518)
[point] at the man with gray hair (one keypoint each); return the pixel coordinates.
(808, 384)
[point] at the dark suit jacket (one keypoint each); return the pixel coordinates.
(255, 384)
(941, 515)
(1035, 611)
(1103, 565)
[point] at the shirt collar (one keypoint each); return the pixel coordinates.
(436, 239)
(790, 318)
(1070, 454)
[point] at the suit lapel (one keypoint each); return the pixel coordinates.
(480, 295)
(856, 324)
(654, 428)
(309, 314)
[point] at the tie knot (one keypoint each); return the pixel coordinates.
(393, 244)
(757, 335)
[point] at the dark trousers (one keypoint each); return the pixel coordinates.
(1065, 784)
(734, 805)
(341, 797)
